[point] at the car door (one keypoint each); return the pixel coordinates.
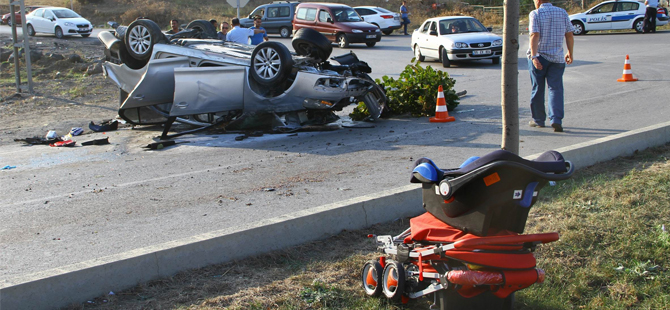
(324, 24)
(625, 14)
(423, 40)
(36, 20)
(600, 17)
(272, 20)
(49, 21)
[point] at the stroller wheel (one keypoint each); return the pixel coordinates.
(371, 278)
(393, 280)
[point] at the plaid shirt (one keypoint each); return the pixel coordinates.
(552, 23)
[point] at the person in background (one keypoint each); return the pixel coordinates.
(650, 16)
(174, 27)
(548, 26)
(239, 34)
(404, 14)
(258, 38)
(214, 23)
(224, 30)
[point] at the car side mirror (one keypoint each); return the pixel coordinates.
(362, 18)
(490, 29)
(330, 20)
(433, 33)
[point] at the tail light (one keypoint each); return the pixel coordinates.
(386, 16)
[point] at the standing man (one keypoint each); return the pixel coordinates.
(548, 26)
(174, 27)
(258, 37)
(650, 16)
(404, 14)
(224, 30)
(241, 35)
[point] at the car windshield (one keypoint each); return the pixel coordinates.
(65, 13)
(461, 25)
(346, 15)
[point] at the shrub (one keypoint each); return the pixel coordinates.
(414, 92)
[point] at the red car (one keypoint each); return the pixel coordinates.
(7, 20)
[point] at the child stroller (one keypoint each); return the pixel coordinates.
(468, 250)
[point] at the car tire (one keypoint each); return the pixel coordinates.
(444, 58)
(495, 60)
(9, 22)
(370, 44)
(59, 33)
(86, 35)
(31, 30)
(578, 28)
(342, 40)
(309, 42)
(141, 36)
(387, 32)
(270, 63)
(205, 28)
(638, 25)
(284, 32)
(417, 53)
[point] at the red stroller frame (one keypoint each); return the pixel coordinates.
(467, 250)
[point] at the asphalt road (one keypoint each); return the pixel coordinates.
(66, 205)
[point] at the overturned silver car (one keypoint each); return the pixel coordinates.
(191, 77)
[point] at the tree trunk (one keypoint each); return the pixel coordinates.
(510, 78)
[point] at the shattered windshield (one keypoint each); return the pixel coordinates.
(346, 15)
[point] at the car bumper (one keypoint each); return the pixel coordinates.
(469, 53)
(76, 30)
(363, 37)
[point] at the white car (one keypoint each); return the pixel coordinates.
(610, 15)
(386, 20)
(59, 21)
(453, 38)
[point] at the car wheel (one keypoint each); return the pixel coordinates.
(141, 36)
(9, 22)
(639, 25)
(417, 53)
(495, 60)
(309, 42)
(578, 27)
(444, 58)
(370, 44)
(284, 32)
(31, 30)
(342, 40)
(387, 32)
(270, 63)
(86, 35)
(205, 29)
(58, 33)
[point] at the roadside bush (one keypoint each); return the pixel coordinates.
(414, 92)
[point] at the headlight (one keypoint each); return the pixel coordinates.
(69, 24)
(357, 31)
(377, 30)
(497, 43)
(460, 45)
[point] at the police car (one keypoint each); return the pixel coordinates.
(611, 15)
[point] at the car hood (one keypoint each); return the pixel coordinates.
(361, 25)
(472, 37)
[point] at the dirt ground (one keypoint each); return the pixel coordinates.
(65, 95)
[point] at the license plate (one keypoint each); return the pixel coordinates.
(482, 52)
(396, 18)
(371, 36)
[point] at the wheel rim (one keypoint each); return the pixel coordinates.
(59, 33)
(578, 28)
(639, 27)
(370, 279)
(139, 39)
(342, 41)
(267, 63)
(417, 52)
(284, 33)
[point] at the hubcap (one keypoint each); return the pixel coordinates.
(267, 63)
(417, 53)
(139, 39)
(342, 41)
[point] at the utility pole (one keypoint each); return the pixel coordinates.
(510, 78)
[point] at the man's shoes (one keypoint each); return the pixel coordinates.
(557, 127)
(532, 123)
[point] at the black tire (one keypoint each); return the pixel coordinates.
(270, 63)
(128, 60)
(495, 60)
(393, 280)
(342, 40)
(578, 28)
(387, 32)
(417, 53)
(86, 35)
(205, 29)
(285, 32)
(638, 25)
(141, 36)
(371, 278)
(31, 30)
(444, 58)
(309, 42)
(58, 32)
(370, 44)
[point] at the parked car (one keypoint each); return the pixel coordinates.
(191, 77)
(59, 21)
(338, 22)
(277, 17)
(453, 38)
(611, 15)
(7, 20)
(386, 20)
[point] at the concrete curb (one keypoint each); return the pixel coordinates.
(78, 282)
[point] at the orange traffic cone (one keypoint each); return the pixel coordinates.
(627, 72)
(441, 113)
